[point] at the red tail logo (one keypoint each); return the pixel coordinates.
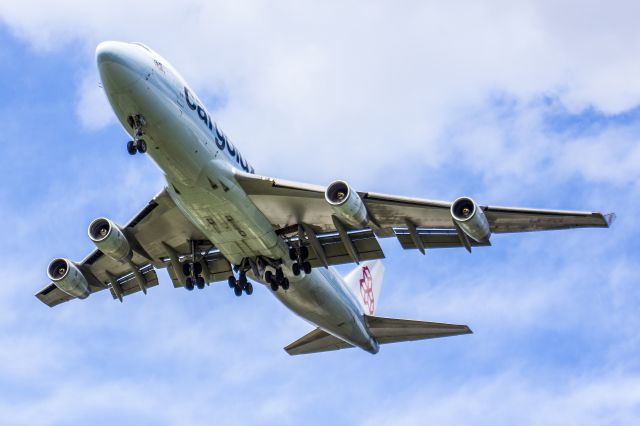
(366, 289)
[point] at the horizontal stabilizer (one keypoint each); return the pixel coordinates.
(391, 330)
(385, 330)
(316, 341)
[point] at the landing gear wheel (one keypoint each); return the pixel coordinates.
(189, 284)
(186, 269)
(197, 268)
(232, 282)
(200, 283)
(238, 291)
(279, 275)
(131, 147)
(268, 277)
(285, 284)
(242, 282)
(306, 267)
(274, 286)
(296, 269)
(304, 252)
(293, 255)
(248, 289)
(141, 146)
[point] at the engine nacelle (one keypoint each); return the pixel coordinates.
(110, 239)
(69, 278)
(471, 219)
(347, 204)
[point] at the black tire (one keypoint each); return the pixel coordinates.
(296, 269)
(232, 281)
(285, 284)
(238, 291)
(142, 146)
(293, 254)
(188, 284)
(242, 282)
(274, 286)
(248, 289)
(279, 275)
(131, 147)
(197, 268)
(268, 277)
(306, 267)
(304, 253)
(186, 269)
(200, 283)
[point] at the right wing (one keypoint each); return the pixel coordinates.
(157, 233)
(300, 212)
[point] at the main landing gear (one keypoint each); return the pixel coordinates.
(137, 123)
(240, 284)
(276, 280)
(300, 256)
(193, 272)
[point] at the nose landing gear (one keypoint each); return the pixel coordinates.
(137, 123)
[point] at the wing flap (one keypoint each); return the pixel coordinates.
(316, 341)
(441, 238)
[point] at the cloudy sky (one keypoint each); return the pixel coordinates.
(531, 103)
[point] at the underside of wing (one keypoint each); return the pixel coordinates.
(159, 236)
(304, 214)
(316, 341)
(392, 330)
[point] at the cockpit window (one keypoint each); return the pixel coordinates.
(141, 45)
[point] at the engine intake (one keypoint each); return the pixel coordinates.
(69, 278)
(347, 204)
(110, 239)
(471, 219)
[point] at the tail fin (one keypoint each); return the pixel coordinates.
(365, 282)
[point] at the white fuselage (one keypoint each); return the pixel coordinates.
(199, 162)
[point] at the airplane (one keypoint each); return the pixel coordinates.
(217, 220)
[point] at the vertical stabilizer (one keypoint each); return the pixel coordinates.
(365, 282)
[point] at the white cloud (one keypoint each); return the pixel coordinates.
(93, 107)
(379, 94)
(514, 397)
(380, 84)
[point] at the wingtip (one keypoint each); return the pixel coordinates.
(609, 218)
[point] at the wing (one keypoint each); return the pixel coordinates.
(301, 211)
(316, 341)
(159, 235)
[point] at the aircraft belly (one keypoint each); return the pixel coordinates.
(324, 303)
(232, 230)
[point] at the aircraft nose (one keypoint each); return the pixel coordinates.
(119, 65)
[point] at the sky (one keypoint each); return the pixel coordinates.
(531, 103)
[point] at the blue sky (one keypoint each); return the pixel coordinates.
(535, 106)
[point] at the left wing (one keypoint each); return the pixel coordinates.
(157, 234)
(301, 211)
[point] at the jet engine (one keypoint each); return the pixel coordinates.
(69, 278)
(471, 219)
(110, 239)
(347, 204)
